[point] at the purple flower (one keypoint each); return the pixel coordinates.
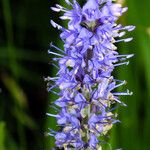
(87, 95)
(91, 11)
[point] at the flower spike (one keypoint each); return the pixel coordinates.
(87, 88)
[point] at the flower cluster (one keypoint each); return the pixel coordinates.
(87, 97)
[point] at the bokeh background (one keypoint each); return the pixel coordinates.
(25, 34)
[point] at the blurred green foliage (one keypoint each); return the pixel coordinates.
(134, 131)
(24, 40)
(2, 135)
(25, 34)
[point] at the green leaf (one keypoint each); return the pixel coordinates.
(2, 135)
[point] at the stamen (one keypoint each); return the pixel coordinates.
(52, 115)
(56, 59)
(124, 9)
(56, 9)
(52, 131)
(51, 134)
(53, 92)
(54, 107)
(51, 45)
(124, 40)
(61, 7)
(121, 34)
(115, 99)
(52, 87)
(118, 80)
(68, 2)
(55, 66)
(120, 64)
(124, 82)
(50, 52)
(51, 78)
(127, 55)
(129, 28)
(65, 17)
(55, 25)
(123, 93)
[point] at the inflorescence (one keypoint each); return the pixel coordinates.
(87, 97)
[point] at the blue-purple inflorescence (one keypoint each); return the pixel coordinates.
(87, 94)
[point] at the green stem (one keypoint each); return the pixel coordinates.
(9, 35)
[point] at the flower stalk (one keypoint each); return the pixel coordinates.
(87, 97)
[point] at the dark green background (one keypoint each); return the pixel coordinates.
(25, 34)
